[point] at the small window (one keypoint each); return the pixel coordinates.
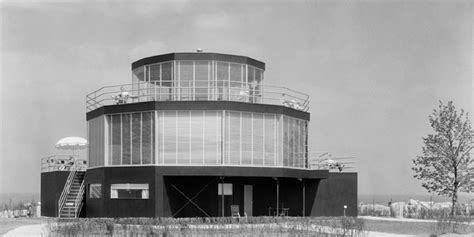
(129, 191)
(227, 189)
(95, 190)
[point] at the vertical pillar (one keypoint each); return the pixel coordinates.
(304, 198)
(277, 196)
(222, 196)
(159, 195)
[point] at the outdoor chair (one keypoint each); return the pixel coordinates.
(234, 210)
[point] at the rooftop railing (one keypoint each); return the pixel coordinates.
(62, 163)
(197, 91)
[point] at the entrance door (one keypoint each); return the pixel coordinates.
(248, 199)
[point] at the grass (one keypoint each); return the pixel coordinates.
(7, 224)
(441, 226)
(253, 226)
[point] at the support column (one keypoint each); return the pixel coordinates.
(222, 196)
(304, 198)
(159, 196)
(277, 196)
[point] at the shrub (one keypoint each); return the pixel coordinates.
(453, 224)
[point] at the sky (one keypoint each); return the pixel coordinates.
(374, 70)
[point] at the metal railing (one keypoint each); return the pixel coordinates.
(197, 91)
(67, 188)
(62, 163)
(78, 202)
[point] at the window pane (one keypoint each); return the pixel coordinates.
(183, 137)
(169, 137)
(136, 125)
(285, 141)
(236, 81)
(166, 74)
(116, 140)
(155, 73)
(126, 154)
(270, 149)
(251, 74)
(201, 79)
(95, 190)
(222, 80)
(129, 191)
(139, 73)
(196, 137)
(291, 141)
(258, 138)
(186, 79)
(96, 132)
(146, 137)
(233, 144)
(246, 138)
(235, 75)
(212, 133)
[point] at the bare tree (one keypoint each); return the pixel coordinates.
(445, 167)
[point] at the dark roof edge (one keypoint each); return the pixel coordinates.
(197, 105)
(198, 56)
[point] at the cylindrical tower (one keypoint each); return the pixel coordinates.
(198, 134)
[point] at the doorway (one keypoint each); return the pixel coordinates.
(248, 200)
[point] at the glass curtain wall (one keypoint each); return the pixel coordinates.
(198, 80)
(96, 132)
(199, 137)
(131, 138)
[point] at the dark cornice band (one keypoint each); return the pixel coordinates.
(198, 56)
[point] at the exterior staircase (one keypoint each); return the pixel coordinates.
(72, 197)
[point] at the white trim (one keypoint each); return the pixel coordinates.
(200, 165)
(240, 139)
(162, 141)
(129, 186)
(203, 134)
(121, 139)
(189, 135)
(193, 92)
(176, 136)
(264, 153)
(155, 143)
(251, 139)
(141, 136)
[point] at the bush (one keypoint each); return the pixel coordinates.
(210, 226)
(453, 224)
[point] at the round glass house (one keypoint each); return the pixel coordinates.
(250, 132)
(203, 134)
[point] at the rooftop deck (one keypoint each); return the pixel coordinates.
(62, 163)
(198, 91)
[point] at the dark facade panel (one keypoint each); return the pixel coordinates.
(52, 185)
(107, 207)
(170, 192)
(197, 105)
(198, 56)
(333, 193)
(240, 172)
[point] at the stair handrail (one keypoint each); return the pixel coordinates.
(80, 195)
(66, 189)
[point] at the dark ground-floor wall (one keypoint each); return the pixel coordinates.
(176, 194)
(52, 185)
(335, 192)
(189, 195)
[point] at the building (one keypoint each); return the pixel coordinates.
(199, 134)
